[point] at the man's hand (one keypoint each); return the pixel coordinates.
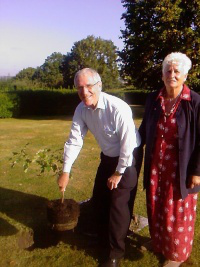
(193, 181)
(63, 180)
(113, 181)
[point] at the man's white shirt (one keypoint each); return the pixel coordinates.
(112, 125)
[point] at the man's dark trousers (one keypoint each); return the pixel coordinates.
(113, 208)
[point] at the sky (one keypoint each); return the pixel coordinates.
(31, 30)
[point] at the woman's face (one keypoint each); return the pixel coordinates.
(173, 76)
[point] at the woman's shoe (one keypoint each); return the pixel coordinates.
(172, 263)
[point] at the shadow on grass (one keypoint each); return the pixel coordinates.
(6, 228)
(30, 211)
(27, 209)
(138, 112)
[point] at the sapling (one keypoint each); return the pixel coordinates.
(46, 159)
(62, 213)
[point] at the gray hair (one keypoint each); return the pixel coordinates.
(94, 73)
(178, 58)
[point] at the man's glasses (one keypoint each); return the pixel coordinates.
(88, 86)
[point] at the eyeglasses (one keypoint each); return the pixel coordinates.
(88, 86)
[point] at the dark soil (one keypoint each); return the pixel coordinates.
(63, 216)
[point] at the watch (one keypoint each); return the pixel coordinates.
(117, 173)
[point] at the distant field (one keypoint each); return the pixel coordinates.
(23, 198)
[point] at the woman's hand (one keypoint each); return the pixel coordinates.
(193, 181)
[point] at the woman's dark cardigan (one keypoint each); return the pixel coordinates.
(188, 122)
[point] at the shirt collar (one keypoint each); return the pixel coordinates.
(185, 94)
(100, 103)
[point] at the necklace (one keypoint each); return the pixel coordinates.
(170, 104)
(171, 99)
(171, 110)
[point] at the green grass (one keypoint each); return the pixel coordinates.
(23, 198)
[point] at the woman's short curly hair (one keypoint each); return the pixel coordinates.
(178, 58)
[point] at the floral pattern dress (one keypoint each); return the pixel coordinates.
(171, 218)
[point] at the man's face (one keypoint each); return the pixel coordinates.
(173, 76)
(88, 89)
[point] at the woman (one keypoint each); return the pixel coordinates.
(171, 132)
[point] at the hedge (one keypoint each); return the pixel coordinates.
(51, 103)
(47, 103)
(131, 97)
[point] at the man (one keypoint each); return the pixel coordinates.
(110, 121)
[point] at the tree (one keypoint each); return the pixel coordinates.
(155, 28)
(49, 73)
(25, 79)
(95, 53)
(26, 74)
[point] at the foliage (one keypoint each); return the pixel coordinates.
(95, 53)
(25, 80)
(49, 73)
(155, 29)
(9, 105)
(6, 85)
(25, 74)
(47, 102)
(46, 159)
(58, 70)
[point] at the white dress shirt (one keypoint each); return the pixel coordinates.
(112, 125)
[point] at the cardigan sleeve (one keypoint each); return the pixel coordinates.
(195, 166)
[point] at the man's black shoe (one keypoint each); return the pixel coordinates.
(111, 263)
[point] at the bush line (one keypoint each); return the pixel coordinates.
(53, 103)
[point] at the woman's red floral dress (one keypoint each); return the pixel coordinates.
(171, 219)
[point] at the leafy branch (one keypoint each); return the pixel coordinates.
(46, 159)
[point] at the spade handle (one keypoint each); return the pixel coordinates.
(62, 199)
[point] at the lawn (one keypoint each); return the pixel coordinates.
(23, 198)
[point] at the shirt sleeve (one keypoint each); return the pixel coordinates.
(75, 142)
(129, 138)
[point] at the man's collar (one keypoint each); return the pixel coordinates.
(100, 103)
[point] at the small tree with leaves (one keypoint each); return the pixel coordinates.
(47, 160)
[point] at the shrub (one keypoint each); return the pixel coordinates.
(9, 105)
(47, 102)
(132, 97)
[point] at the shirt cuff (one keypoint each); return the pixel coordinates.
(121, 170)
(67, 168)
